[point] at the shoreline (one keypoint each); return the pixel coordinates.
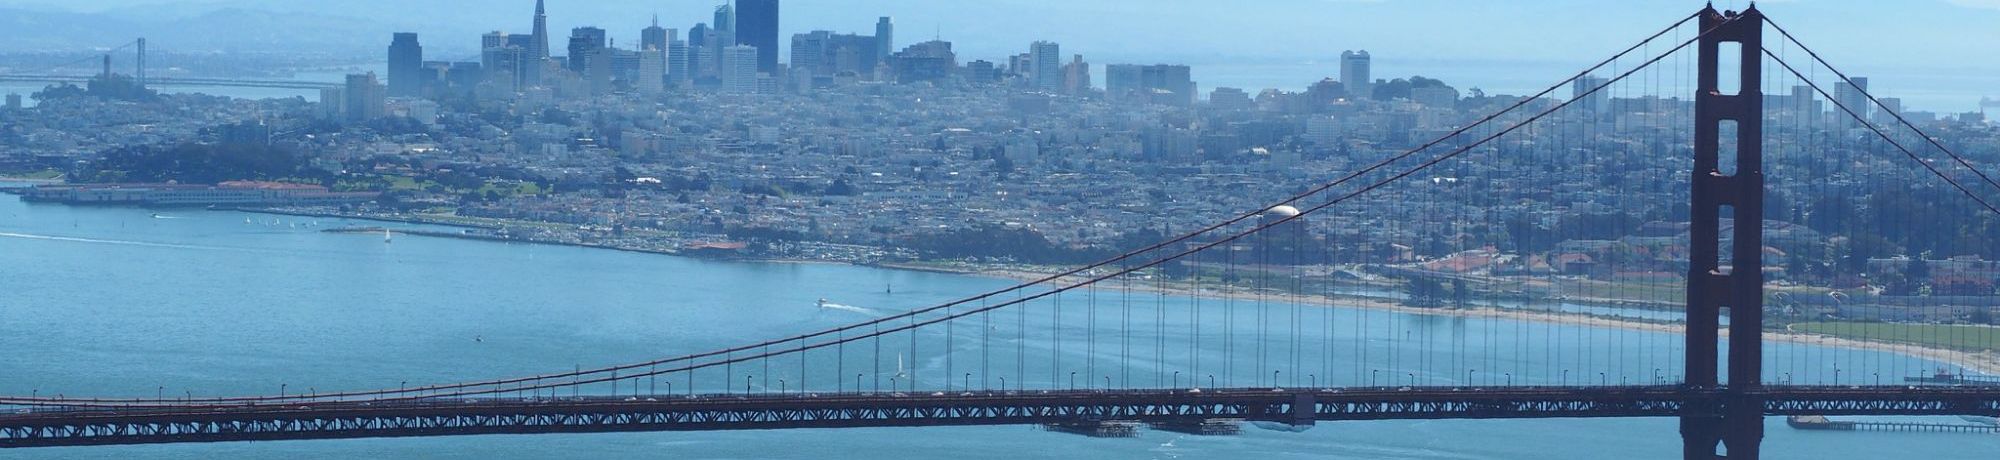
(336, 215)
(1986, 362)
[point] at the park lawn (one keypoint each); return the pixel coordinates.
(1958, 337)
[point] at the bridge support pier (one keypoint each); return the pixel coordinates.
(1731, 426)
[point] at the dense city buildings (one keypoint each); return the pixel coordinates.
(1157, 84)
(646, 139)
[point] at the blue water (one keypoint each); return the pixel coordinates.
(120, 302)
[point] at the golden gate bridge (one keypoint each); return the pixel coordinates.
(1136, 339)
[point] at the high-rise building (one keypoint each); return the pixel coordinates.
(725, 26)
(504, 60)
(825, 54)
(757, 25)
(1355, 75)
(1045, 66)
(600, 66)
(654, 37)
(698, 55)
(739, 69)
(721, 35)
(885, 37)
(1854, 97)
(1580, 91)
(364, 98)
(1891, 107)
(1157, 84)
(494, 39)
(1076, 77)
(930, 61)
(584, 42)
(659, 40)
(677, 61)
(537, 48)
(809, 52)
(652, 72)
(1229, 99)
(13, 101)
(406, 60)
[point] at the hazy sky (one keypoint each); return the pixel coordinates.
(1874, 37)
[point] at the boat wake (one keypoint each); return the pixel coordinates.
(98, 241)
(850, 308)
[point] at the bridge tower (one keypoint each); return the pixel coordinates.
(1733, 425)
(140, 74)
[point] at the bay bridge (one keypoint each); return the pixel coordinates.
(47, 74)
(1260, 318)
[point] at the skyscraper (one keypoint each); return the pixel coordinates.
(658, 40)
(725, 26)
(1354, 74)
(677, 61)
(1854, 97)
(1588, 101)
(538, 48)
(654, 37)
(652, 72)
(739, 69)
(721, 35)
(757, 25)
(885, 38)
(1045, 63)
(406, 61)
(698, 55)
(583, 42)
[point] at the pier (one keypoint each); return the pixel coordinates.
(1820, 423)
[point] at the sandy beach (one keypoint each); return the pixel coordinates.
(1980, 362)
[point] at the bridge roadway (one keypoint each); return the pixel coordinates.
(68, 426)
(173, 81)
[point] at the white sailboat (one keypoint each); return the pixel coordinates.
(387, 237)
(900, 373)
